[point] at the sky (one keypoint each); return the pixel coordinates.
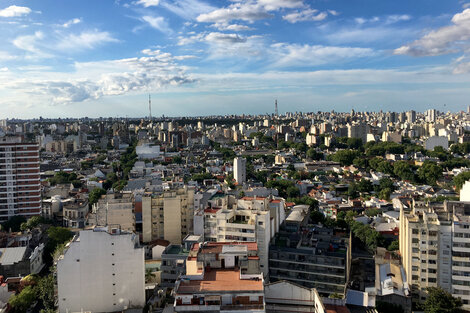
(95, 58)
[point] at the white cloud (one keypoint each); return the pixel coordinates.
(237, 11)
(448, 39)
(148, 3)
(224, 38)
(305, 15)
(166, 56)
(294, 55)
(232, 27)
(3, 69)
(94, 80)
(71, 22)
(181, 8)
(333, 12)
(157, 22)
(391, 19)
(5, 56)
(272, 5)
(30, 43)
(14, 11)
(85, 40)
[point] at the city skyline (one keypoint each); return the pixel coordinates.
(84, 58)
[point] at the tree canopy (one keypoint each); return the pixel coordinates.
(440, 301)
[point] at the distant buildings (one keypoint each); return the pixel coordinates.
(239, 170)
(436, 141)
(147, 151)
(20, 190)
(101, 270)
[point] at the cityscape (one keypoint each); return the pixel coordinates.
(258, 156)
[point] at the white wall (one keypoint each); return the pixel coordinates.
(101, 272)
(465, 192)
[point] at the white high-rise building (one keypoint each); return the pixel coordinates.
(465, 191)
(101, 270)
(239, 170)
(435, 250)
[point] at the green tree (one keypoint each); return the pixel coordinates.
(292, 192)
(21, 302)
(317, 217)
(372, 212)
(313, 154)
(403, 170)
(149, 275)
(385, 167)
(393, 246)
(429, 173)
(440, 301)
(354, 143)
(460, 179)
(95, 195)
(352, 190)
(385, 182)
(385, 193)
(45, 292)
(34, 222)
(344, 157)
(360, 162)
(14, 223)
(364, 185)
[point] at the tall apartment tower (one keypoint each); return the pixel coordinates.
(239, 170)
(20, 189)
(434, 248)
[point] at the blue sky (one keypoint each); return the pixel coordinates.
(201, 57)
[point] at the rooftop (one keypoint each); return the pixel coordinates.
(11, 256)
(217, 280)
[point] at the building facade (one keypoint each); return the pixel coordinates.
(435, 250)
(101, 270)
(239, 170)
(20, 189)
(168, 215)
(311, 256)
(221, 277)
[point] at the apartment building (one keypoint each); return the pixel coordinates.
(221, 277)
(101, 270)
(20, 189)
(114, 209)
(173, 264)
(168, 215)
(434, 248)
(425, 247)
(239, 170)
(310, 256)
(461, 251)
(252, 219)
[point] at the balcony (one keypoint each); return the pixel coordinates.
(192, 308)
(242, 307)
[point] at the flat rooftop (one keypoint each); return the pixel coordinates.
(175, 249)
(218, 247)
(220, 280)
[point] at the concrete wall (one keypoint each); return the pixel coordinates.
(101, 272)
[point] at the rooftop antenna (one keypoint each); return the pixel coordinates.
(275, 108)
(150, 108)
